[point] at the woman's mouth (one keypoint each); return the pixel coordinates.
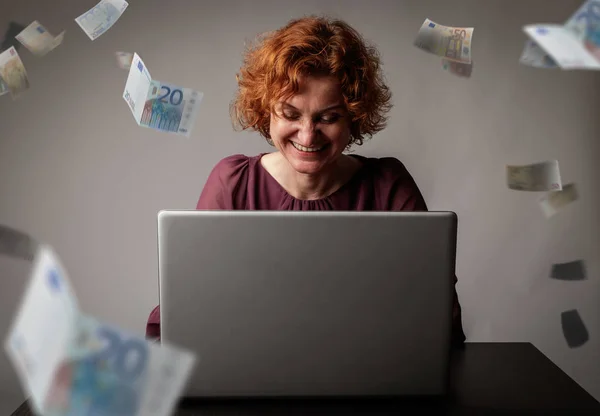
(308, 149)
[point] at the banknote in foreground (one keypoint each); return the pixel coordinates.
(553, 202)
(158, 105)
(451, 43)
(124, 59)
(38, 40)
(39, 335)
(101, 17)
(107, 371)
(574, 45)
(12, 71)
(70, 364)
(544, 176)
(458, 68)
(17, 244)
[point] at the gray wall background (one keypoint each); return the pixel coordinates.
(77, 172)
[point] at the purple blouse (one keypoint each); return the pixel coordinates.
(241, 182)
(380, 184)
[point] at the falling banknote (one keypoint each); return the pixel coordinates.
(536, 57)
(544, 176)
(71, 364)
(159, 105)
(17, 244)
(553, 202)
(451, 43)
(101, 17)
(458, 68)
(574, 45)
(13, 72)
(124, 59)
(574, 330)
(38, 40)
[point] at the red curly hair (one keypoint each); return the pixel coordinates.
(312, 45)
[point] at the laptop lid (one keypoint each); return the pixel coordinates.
(292, 303)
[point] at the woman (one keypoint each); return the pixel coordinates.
(312, 89)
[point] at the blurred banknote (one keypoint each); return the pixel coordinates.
(574, 45)
(451, 43)
(13, 72)
(124, 59)
(158, 105)
(17, 244)
(570, 271)
(553, 202)
(544, 176)
(71, 364)
(574, 330)
(101, 17)
(535, 56)
(38, 40)
(458, 68)
(10, 35)
(44, 323)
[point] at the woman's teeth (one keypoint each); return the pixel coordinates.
(307, 149)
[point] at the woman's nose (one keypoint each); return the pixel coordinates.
(307, 132)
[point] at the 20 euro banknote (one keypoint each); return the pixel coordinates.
(159, 105)
(70, 364)
(107, 371)
(574, 45)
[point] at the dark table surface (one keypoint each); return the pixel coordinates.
(487, 379)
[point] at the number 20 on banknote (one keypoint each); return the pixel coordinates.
(104, 373)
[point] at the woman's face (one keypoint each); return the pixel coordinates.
(312, 128)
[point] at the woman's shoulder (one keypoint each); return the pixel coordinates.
(235, 166)
(384, 168)
(227, 183)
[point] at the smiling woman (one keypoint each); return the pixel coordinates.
(312, 89)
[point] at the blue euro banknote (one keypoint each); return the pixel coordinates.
(107, 371)
(71, 364)
(170, 108)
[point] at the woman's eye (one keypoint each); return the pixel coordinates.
(330, 118)
(290, 116)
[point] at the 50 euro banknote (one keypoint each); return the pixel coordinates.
(451, 43)
(537, 177)
(71, 364)
(38, 40)
(13, 73)
(159, 105)
(553, 202)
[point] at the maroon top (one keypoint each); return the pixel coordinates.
(380, 184)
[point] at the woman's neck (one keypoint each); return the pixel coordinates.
(311, 187)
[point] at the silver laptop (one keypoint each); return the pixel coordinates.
(310, 304)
